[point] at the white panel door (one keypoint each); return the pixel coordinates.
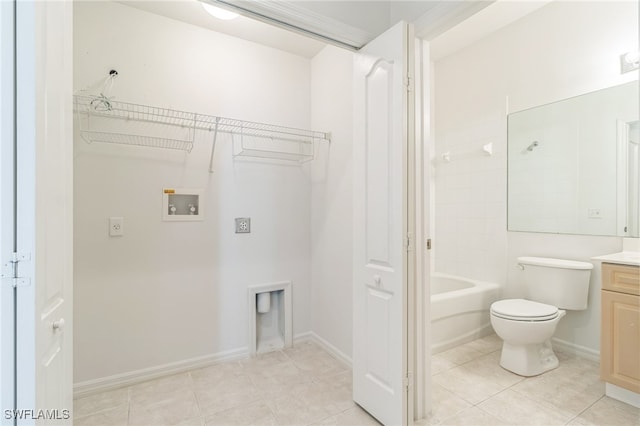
(382, 134)
(45, 208)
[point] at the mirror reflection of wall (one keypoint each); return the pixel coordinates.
(631, 194)
(573, 168)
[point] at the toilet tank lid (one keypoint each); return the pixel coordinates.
(554, 263)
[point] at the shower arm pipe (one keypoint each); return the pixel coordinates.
(213, 145)
(533, 145)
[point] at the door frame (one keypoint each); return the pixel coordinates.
(7, 215)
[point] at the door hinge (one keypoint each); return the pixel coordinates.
(408, 242)
(408, 82)
(428, 243)
(11, 270)
(408, 382)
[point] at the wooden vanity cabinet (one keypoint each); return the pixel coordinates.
(620, 332)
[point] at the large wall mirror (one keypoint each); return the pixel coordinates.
(573, 165)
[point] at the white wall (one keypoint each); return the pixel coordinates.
(563, 49)
(331, 201)
(171, 291)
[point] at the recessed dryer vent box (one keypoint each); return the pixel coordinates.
(182, 204)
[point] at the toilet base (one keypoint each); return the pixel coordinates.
(528, 360)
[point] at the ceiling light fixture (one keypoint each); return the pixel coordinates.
(225, 15)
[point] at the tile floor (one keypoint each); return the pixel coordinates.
(470, 388)
(303, 385)
(306, 386)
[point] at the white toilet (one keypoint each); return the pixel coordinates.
(526, 326)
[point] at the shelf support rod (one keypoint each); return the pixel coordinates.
(213, 145)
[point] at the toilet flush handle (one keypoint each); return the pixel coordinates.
(521, 266)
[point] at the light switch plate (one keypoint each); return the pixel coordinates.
(116, 226)
(243, 225)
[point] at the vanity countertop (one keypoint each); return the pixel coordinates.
(624, 258)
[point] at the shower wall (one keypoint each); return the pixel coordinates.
(170, 292)
(561, 50)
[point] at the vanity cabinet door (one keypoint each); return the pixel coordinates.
(620, 340)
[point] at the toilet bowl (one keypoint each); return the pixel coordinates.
(551, 286)
(526, 328)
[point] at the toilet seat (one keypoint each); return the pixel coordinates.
(523, 310)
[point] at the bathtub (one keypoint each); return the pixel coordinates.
(459, 310)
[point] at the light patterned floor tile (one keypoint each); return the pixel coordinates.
(571, 388)
(474, 416)
(355, 416)
(177, 409)
(516, 409)
(290, 410)
(440, 363)
(445, 404)
(257, 413)
(304, 385)
(461, 354)
(160, 390)
(477, 380)
(610, 412)
(99, 402)
(320, 364)
(487, 344)
(117, 416)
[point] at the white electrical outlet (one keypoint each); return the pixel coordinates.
(116, 226)
(243, 225)
(594, 214)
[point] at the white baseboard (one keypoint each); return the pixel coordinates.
(103, 384)
(621, 394)
(337, 353)
(577, 350)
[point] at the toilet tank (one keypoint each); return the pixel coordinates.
(558, 282)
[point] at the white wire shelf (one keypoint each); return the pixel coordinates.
(272, 149)
(126, 139)
(104, 121)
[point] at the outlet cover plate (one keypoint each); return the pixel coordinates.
(243, 225)
(116, 226)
